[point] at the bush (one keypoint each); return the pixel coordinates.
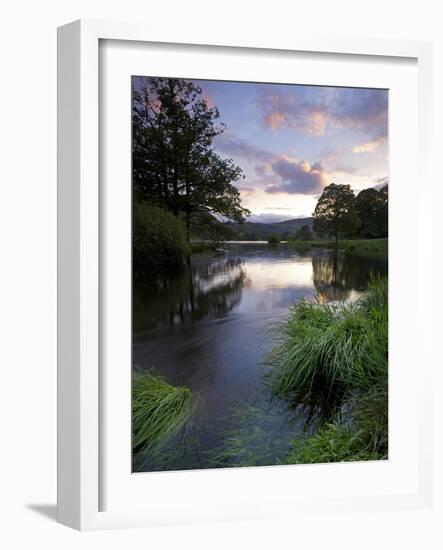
(273, 239)
(159, 238)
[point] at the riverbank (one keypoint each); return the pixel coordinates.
(356, 246)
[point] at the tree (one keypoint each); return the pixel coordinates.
(372, 210)
(304, 233)
(367, 209)
(383, 213)
(335, 213)
(174, 163)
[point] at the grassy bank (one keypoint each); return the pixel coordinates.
(334, 360)
(357, 246)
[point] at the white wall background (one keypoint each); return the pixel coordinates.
(28, 264)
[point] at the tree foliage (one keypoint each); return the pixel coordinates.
(383, 211)
(174, 163)
(372, 210)
(335, 213)
(159, 238)
(303, 234)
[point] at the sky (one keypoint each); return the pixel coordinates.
(293, 140)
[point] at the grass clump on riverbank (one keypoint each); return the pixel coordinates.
(356, 246)
(160, 412)
(334, 360)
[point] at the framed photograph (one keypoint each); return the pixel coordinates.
(235, 285)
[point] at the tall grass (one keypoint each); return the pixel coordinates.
(335, 345)
(333, 443)
(364, 436)
(334, 359)
(160, 412)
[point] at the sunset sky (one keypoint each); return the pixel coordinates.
(291, 141)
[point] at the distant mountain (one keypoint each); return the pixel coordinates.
(250, 231)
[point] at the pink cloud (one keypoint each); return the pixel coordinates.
(298, 177)
(367, 147)
(274, 120)
(317, 111)
(208, 100)
(277, 173)
(317, 123)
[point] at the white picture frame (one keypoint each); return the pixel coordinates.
(81, 412)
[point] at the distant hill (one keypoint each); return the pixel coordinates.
(250, 231)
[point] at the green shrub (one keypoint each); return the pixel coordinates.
(273, 239)
(159, 238)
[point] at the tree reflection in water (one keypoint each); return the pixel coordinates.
(337, 274)
(203, 290)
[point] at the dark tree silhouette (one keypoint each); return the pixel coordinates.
(372, 210)
(383, 211)
(303, 234)
(174, 163)
(335, 214)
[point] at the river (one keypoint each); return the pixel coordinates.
(210, 327)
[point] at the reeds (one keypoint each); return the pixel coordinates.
(160, 412)
(334, 358)
(331, 345)
(333, 443)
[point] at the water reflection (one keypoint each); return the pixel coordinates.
(213, 285)
(337, 275)
(209, 288)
